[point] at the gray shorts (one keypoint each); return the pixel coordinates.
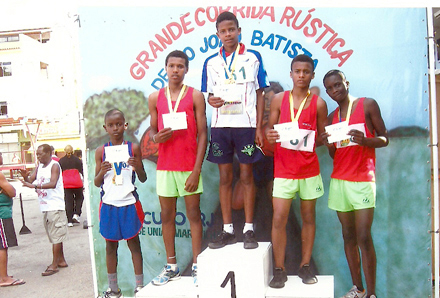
(55, 223)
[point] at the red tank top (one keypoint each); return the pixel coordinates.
(294, 164)
(355, 163)
(179, 152)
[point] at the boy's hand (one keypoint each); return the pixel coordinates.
(357, 136)
(259, 137)
(192, 182)
(324, 137)
(163, 135)
(136, 163)
(272, 136)
(216, 102)
(105, 167)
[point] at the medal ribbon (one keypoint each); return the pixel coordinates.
(230, 69)
(350, 105)
(179, 98)
(301, 106)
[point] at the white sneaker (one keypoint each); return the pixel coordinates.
(70, 224)
(75, 218)
(355, 293)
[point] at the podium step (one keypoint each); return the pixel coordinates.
(181, 288)
(294, 288)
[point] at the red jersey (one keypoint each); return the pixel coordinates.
(180, 151)
(353, 162)
(297, 164)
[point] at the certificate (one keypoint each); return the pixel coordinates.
(116, 153)
(175, 121)
(287, 131)
(337, 132)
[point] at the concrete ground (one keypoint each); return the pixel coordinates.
(34, 254)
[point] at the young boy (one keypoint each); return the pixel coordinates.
(296, 166)
(181, 153)
(352, 187)
(48, 183)
(234, 79)
(121, 215)
(7, 231)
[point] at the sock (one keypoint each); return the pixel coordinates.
(194, 266)
(173, 266)
(139, 280)
(113, 282)
(228, 228)
(248, 227)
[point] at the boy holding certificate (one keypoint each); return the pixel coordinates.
(178, 124)
(296, 120)
(355, 129)
(121, 216)
(234, 79)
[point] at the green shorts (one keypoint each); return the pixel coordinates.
(172, 183)
(348, 196)
(308, 188)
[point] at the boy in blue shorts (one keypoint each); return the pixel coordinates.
(181, 153)
(121, 215)
(353, 182)
(296, 165)
(235, 78)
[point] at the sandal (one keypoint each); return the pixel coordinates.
(49, 271)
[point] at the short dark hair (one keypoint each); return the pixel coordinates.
(226, 16)
(113, 111)
(334, 72)
(178, 54)
(303, 58)
(46, 148)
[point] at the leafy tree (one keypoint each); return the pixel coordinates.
(132, 103)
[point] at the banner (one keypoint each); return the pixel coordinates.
(382, 51)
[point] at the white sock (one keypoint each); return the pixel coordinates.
(194, 266)
(248, 227)
(173, 266)
(228, 228)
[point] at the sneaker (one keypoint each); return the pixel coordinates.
(75, 218)
(222, 240)
(306, 275)
(70, 224)
(110, 294)
(355, 293)
(194, 275)
(279, 278)
(137, 289)
(249, 240)
(165, 276)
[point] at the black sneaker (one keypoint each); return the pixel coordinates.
(249, 240)
(279, 278)
(306, 275)
(222, 240)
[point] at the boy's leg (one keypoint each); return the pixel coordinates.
(225, 191)
(308, 229)
(4, 265)
(364, 220)
(193, 213)
(111, 255)
(136, 254)
(351, 248)
(281, 209)
(247, 181)
(168, 216)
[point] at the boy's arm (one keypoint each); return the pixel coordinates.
(192, 182)
(373, 119)
(274, 115)
(260, 112)
(136, 162)
(6, 187)
(101, 167)
(321, 120)
(324, 137)
(155, 135)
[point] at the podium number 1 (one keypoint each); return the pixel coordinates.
(230, 276)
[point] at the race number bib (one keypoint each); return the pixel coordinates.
(243, 74)
(348, 142)
(305, 141)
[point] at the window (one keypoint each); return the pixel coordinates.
(9, 38)
(3, 108)
(5, 69)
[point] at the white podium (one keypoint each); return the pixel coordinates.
(181, 288)
(294, 288)
(252, 269)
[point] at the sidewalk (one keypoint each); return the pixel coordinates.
(34, 254)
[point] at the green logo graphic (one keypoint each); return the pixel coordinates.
(215, 149)
(248, 149)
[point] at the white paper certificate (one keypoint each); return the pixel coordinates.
(337, 132)
(175, 121)
(116, 153)
(287, 131)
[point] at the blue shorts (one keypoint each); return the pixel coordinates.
(225, 140)
(117, 223)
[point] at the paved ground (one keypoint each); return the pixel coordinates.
(34, 254)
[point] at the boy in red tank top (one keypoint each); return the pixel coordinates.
(352, 187)
(178, 124)
(296, 120)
